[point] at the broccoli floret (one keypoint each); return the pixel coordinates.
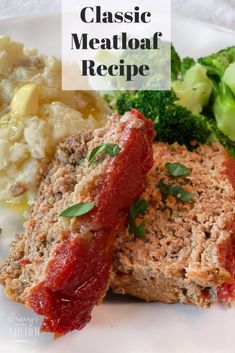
(186, 64)
(194, 90)
(224, 111)
(217, 63)
(172, 122)
(229, 77)
(112, 96)
(180, 125)
(221, 69)
(123, 100)
(217, 135)
(175, 64)
(150, 103)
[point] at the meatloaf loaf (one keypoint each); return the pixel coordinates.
(188, 252)
(59, 266)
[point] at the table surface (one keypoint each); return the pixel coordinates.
(218, 12)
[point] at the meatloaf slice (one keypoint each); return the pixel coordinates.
(188, 252)
(60, 267)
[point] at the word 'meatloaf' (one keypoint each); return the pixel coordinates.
(116, 42)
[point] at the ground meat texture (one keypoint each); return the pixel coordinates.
(61, 267)
(188, 251)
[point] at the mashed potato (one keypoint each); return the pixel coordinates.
(35, 114)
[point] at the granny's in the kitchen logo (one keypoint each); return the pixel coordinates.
(116, 46)
(23, 328)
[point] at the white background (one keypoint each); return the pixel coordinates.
(219, 12)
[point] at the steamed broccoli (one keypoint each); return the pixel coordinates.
(150, 103)
(224, 111)
(175, 64)
(207, 93)
(217, 63)
(221, 70)
(194, 90)
(186, 64)
(217, 135)
(229, 77)
(172, 122)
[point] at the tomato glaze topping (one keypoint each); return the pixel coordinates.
(77, 275)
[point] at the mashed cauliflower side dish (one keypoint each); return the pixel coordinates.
(35, 114)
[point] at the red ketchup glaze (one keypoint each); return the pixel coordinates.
(205, 295)
(24, 262)
(226, 291)
(77, 276)
(229, 165)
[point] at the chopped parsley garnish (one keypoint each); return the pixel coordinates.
(78, 209)
(80, 161)
(138, 206)
(138, 231)
(177, 169)
(176, 191)
(110, 148)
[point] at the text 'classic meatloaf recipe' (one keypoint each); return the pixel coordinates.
(60, 265)
(188, 252)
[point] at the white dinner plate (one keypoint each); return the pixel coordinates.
(120, 324)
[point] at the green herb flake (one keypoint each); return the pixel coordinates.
(176, 191)
(78, 209)
(110, 148)
(177, 169)
(80, 161)
(138, 206)
(138, 231)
